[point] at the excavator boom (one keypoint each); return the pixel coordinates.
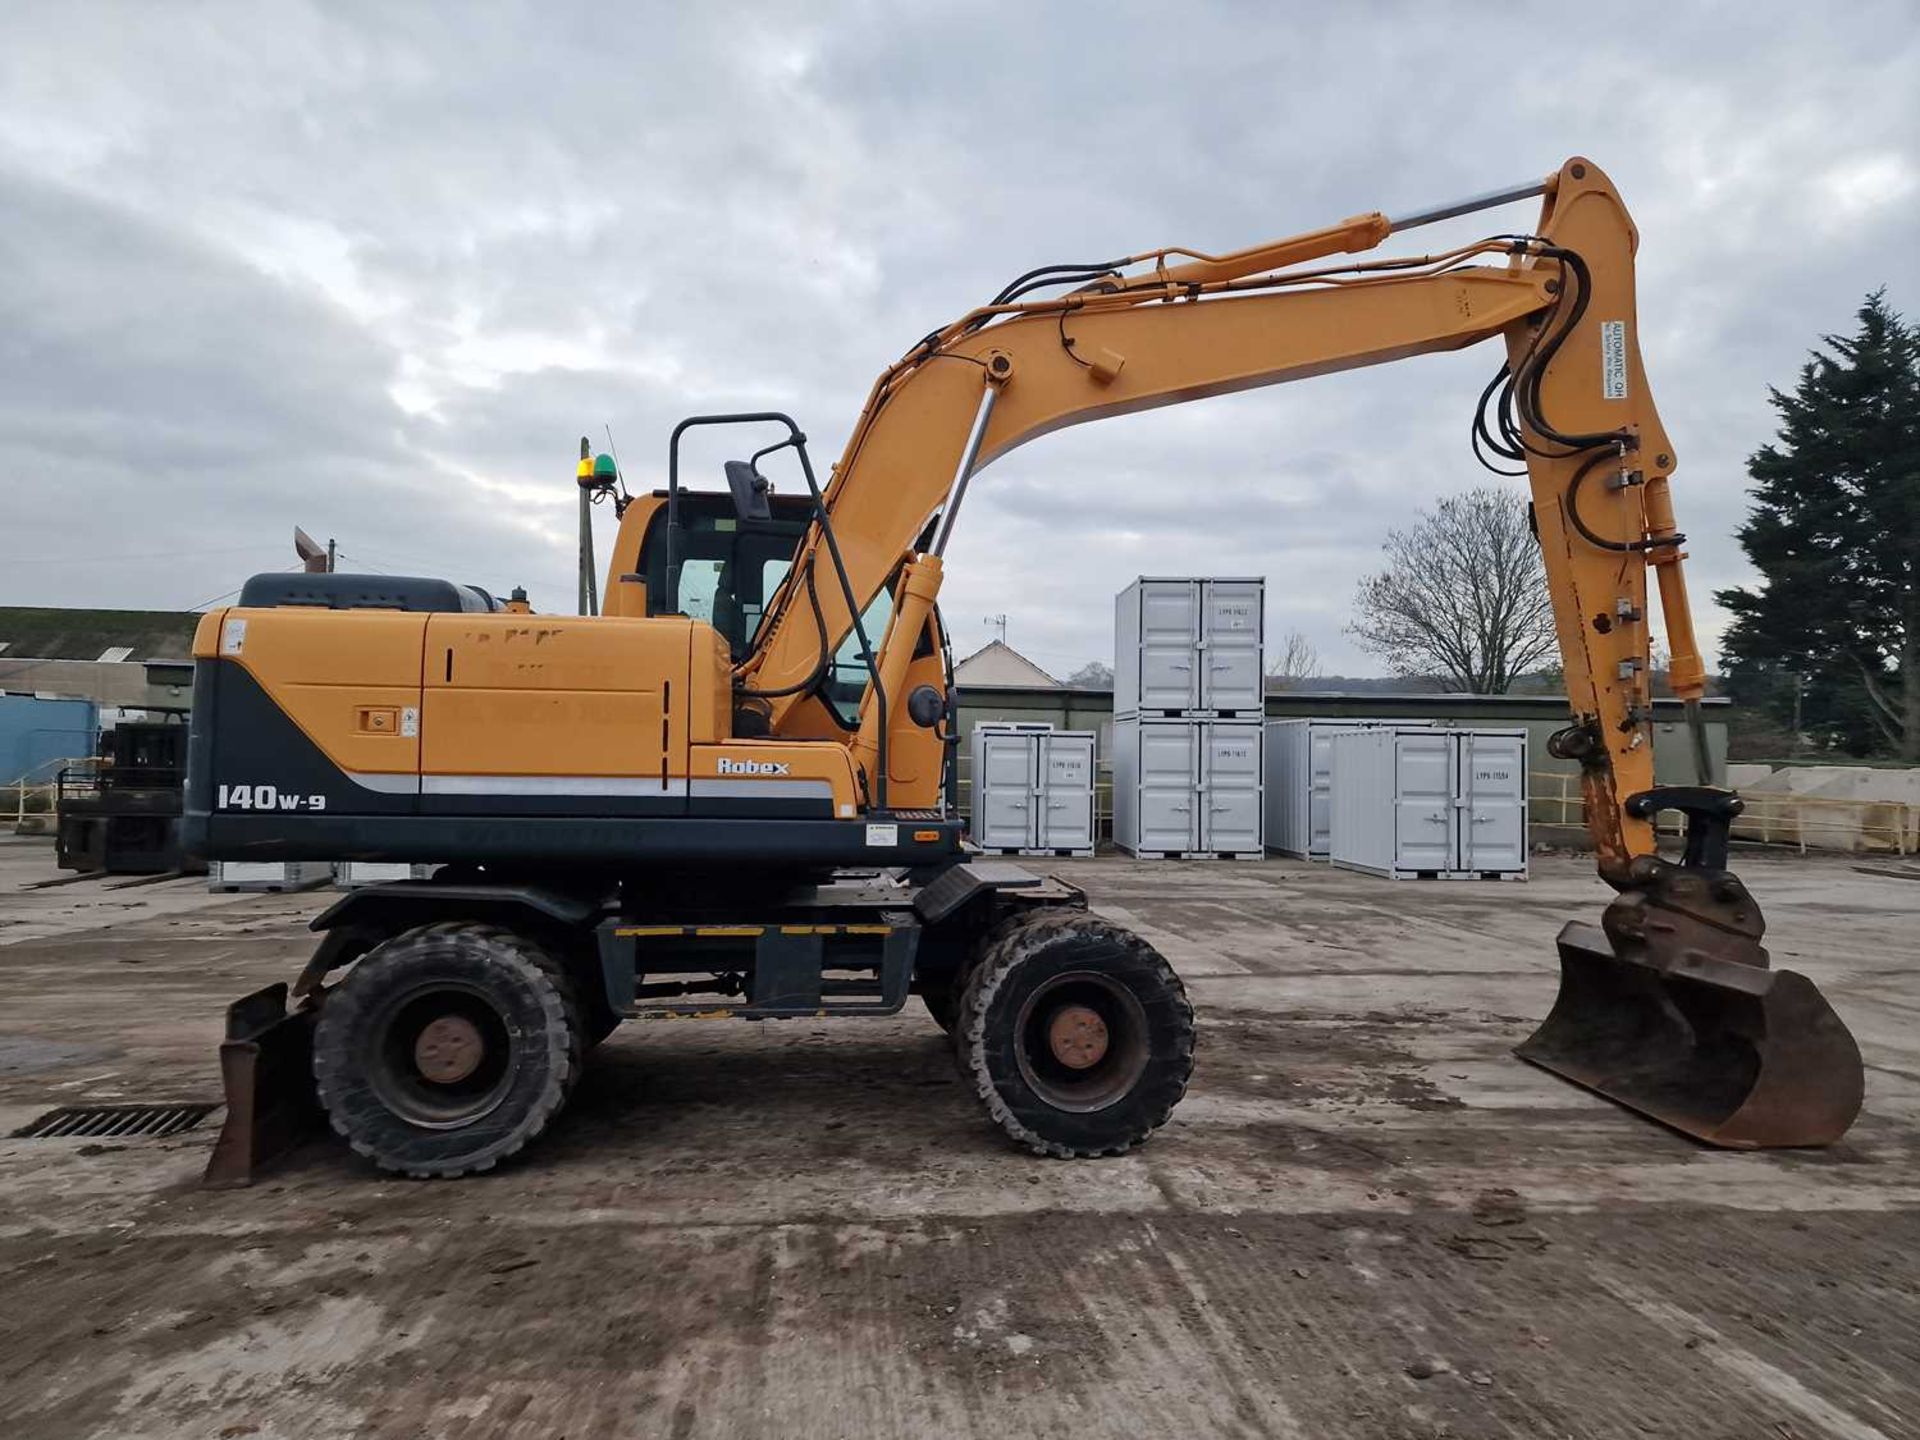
(1676, 986)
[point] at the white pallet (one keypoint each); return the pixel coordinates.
(231, 877)
(1197, 854)
(1196, 715)
(353, 874)
(1489, 875)
(1039, 852)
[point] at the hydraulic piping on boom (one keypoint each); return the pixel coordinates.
(667, 807)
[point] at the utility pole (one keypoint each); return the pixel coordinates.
(333, 555)
(589, 599)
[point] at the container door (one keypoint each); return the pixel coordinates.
(1319, 837)
(1230, 628)
(1003, 792)
(1493, 802)
(1282, 786)
(1230, 795)
(1065, 815)
(1169, 630)
(1423, 795)
(1169, 776)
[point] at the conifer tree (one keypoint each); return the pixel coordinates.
(1833, 632)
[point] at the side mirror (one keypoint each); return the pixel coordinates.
(749, 489)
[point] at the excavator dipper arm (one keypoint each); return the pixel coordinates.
(1675, 991)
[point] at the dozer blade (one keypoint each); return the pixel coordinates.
(1733, 1054)
(266, 1068)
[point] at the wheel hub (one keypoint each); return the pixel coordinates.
(1078, 1037)
(449, 1049)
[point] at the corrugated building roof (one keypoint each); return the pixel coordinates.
(32, 633)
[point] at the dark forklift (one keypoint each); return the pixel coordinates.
(121, 814)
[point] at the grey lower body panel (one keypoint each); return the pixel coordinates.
(607, 840)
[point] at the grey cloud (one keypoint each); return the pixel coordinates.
(374, 269)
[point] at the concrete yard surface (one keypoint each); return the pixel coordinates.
(1367, 1218)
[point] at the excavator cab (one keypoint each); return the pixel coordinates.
(729, 566)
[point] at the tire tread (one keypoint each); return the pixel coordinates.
(1012, 944)
(341, 1013)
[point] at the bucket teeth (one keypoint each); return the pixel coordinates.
(1731, 1054)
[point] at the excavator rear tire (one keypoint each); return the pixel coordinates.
(447, 1049)
(1075, 1034)
(944, 1001)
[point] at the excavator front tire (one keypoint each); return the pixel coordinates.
(1075, 1034)
(943, 1003)
(447, 1049)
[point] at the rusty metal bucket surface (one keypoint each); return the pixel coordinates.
(266, 1069)
(1735, 1055)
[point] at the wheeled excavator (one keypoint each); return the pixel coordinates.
(730, 794)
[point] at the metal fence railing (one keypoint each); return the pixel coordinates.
(36, 791)
(1821, 822)
(1809, 822)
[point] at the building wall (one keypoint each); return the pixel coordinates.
(1555, 784)
(125, 685)
(36, 733)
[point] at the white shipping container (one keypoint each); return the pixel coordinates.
(1430, 803)
(1184, 645)
(1187, 788)
(1032, 789)
(231, 875)
(1299, 798)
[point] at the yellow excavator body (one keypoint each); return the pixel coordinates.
(769, 690)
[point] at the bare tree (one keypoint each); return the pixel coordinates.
(1296, 660)
(1463, 597)
(1092, 676)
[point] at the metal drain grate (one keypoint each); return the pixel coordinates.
(120, 1121)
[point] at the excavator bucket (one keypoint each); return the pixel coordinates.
(1726, 1050)
(266, 1069)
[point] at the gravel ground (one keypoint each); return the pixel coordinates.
(1366, 1219)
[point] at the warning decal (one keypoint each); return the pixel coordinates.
(1613, 359)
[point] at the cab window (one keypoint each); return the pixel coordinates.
(729, 568)
(847, 678)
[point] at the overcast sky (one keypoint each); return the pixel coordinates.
(375, 269)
